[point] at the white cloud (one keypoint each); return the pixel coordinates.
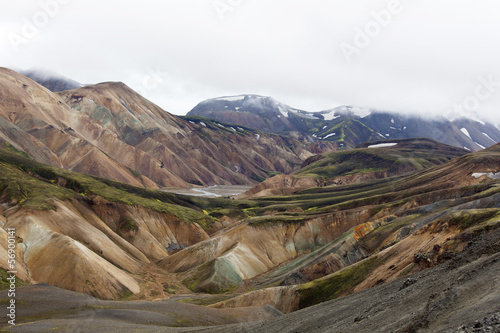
(427, 59)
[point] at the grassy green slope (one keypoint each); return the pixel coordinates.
(407, 155)
(33, 185)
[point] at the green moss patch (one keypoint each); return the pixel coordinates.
(206, 300)
(128, 224)
(467, 219)
(5, 284)
(12, 149)
(337, 284)
(277, 219)
(215, 277)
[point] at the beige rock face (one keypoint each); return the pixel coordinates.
(87, 250)
(395, 260)
(156, 233)
(40, 123)
(244, 251)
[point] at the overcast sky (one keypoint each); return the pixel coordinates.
(425, 56)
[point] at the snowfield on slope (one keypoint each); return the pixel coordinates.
(382, 145)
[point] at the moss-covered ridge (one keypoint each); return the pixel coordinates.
(336, 284)
(441, 200)
(33, 185)
(404, 156)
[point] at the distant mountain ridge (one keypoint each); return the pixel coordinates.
(348, 126)
(53, 82)
(257, 112)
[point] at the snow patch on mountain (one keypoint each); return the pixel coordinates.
(486, 135)
(330, 115)
(305, 114)
(490, 175)
(361, 112)
(231, 98)
(480, 145)
(466, 132)
(383, 145)
(329, 135)
(283, 111)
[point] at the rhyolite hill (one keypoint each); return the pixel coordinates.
(110, 131)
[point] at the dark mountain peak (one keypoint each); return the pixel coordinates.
(256, 104)
(50, 80)
(261, 113)
(347, 125)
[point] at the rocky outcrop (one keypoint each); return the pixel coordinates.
(459, 296)
(348, 276)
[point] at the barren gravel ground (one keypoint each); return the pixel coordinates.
(462, 295)
(43, 308)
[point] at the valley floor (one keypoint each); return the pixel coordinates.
(211, 191)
